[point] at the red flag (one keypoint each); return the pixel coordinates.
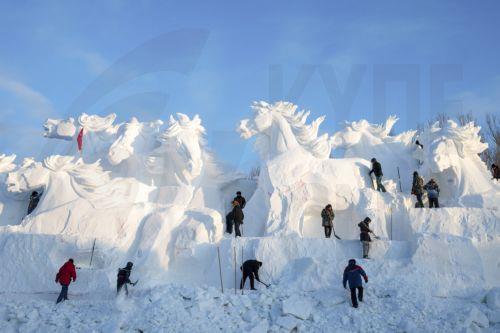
(80, 140)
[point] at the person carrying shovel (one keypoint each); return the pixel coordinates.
(364, 236)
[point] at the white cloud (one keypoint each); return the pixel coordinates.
(95, 62)
(34, 101)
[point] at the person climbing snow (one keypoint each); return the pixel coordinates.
(353, 274)
(432, 189)
(495, 171)
(34, 200)
(419, 144)
(241, 200)
(377, 170)
(417, 189)
(66, 273)
(123, 278)
(237, 217)
(327, 216)
(364, 236)
(250, 269)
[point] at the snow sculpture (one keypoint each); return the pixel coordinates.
(450, 155)
(12, 207)
(63, 180)
(279, 128)
(95, 123)
(365, 140)
(297, 178)
(7, 163)
(179, 165)
(99, 135)
(133, 138)
(179, 158)
(60, 129)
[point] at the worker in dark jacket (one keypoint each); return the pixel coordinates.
(432, 189)
(250, 269)
(495, 171)
(123, 278)
(66, 273)
(229, 222)
(34, 200)
(377, 170)
(417, 189)
(237, 216)
(241, 200)
(353, 274)
(364, 236)
(327, 216)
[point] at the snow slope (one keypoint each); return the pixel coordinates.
(153, 194)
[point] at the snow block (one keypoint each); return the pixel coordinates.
(493, 298)
(476, 318)
(287, 322)
(297, 307)
(494, 317)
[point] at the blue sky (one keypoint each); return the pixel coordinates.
(331, 57)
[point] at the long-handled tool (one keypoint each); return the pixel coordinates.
(267, 285)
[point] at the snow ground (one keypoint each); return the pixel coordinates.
(175, 308)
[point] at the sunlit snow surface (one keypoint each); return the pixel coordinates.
(151, 193)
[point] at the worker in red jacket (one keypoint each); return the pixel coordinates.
(64, 276)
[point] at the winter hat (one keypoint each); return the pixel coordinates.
(374, 160)
(130, 264)
(238, 193)
(70, 260)
(368, 220)
(352, 262)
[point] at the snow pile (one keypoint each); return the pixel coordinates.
(151, 193)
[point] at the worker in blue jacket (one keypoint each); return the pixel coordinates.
(353, 274)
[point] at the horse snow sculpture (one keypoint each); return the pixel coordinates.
(60, 129)
(297, 177)
(365, 140)
(12, 207)
(281, 128)
(450, 155)
(135, 141)
(182, 218)
(69, 185)
(99, 135)
(179, 159)
(7, 163)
